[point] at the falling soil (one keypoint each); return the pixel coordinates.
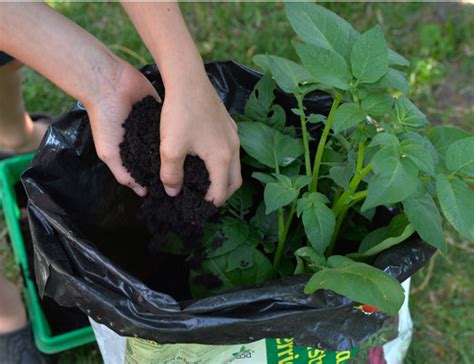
(184, 214)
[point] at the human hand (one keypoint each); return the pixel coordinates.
(107, 112)
(194, 121)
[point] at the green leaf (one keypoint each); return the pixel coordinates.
(457, 201)
(397, 59)
(369, 57)
(263, 177)
(422, 140)
(342, 175)
(313, 260)
(377, 104)
(394, 180)
(277, 195)
(240, 258)
(309, 200)
(384, 139)
(259, 272)
(242, 275)
(332, 157)
(292, 169)
(262, 61)
(383, 238)
(408, 115)
(347, 116)
(267, 145)
(318, 220)
(321, 27)
(326, 66)
(300, 268)
(460, 157)
(298, 112)
(394, 79)
(260, 100)
(301, 181)
(287, 74)
(284, 180)
(443, 136)
(335, 261)
(286, 149)
(231, 233)
(242, 199)
(267, 224)
(419, 155)
(277, 117)
(425, 217)
(316, 118)
(361, 283)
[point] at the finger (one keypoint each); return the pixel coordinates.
(235, 175)
(171, 171)
(234, 125)
(219, 175)
(114, 162)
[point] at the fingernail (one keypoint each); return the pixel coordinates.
(140, 191)
(170, 191)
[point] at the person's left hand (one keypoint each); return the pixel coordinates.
(194, 121)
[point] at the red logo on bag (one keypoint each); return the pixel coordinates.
(368, 309)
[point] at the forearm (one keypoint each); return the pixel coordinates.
(163, 30)
(59, 49)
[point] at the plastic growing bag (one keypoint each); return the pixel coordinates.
(91, 253)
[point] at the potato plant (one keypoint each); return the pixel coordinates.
(374, 149)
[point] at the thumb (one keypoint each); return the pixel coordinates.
(171, 171)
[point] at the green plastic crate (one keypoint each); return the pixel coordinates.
(10, 172)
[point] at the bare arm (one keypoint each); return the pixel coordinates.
(57, 48)
(80, 65)
(193, 119)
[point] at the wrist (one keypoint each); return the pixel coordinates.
(111, 77)
(184, 73)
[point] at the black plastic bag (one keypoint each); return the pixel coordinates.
(80, 217)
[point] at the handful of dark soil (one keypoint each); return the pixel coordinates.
(184, 214)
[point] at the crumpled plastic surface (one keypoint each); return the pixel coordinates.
(80, 216)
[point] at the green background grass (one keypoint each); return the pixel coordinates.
(439, 41)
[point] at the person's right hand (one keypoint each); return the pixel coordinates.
(107, 112)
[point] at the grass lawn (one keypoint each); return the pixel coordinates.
(439, 41)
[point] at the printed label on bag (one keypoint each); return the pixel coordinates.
(283, 351)
(141, 351)
(265, 351)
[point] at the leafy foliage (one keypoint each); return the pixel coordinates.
(376, 149)
(361, 282)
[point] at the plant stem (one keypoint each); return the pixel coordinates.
(360, 154)
(358, 177)
(347, 195)
(282, 234)
(304, 131)
(356, 197)
(469, 180)
(322, 143)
